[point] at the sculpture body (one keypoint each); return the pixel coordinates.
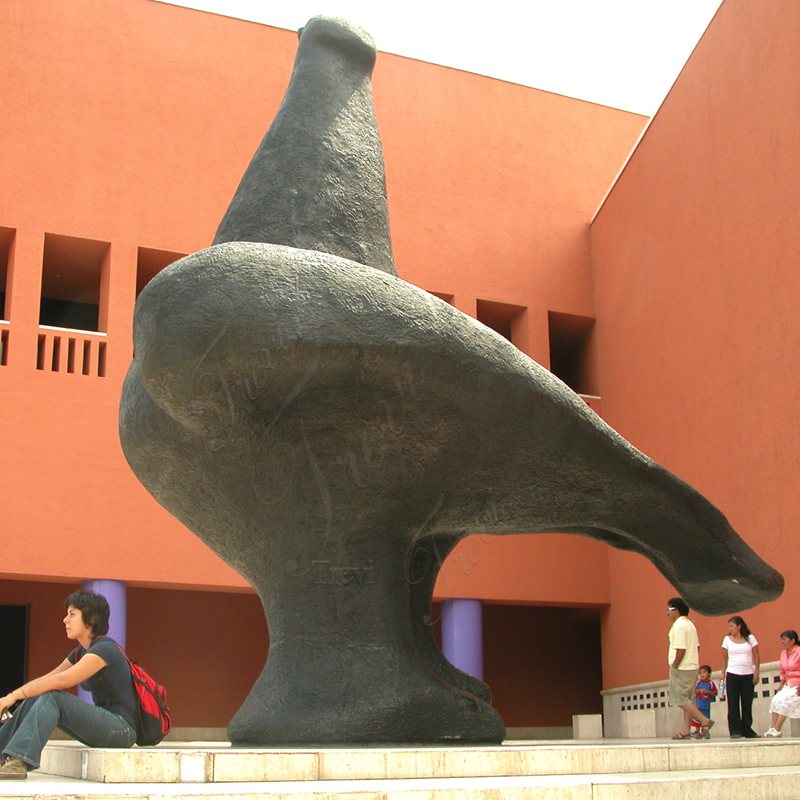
(332, 432)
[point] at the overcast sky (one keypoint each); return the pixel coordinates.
(621, 53)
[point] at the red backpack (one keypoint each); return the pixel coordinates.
(153, 720)
(153, 717)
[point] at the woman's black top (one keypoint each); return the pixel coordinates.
(111, 687)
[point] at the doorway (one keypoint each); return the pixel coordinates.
(14, 648)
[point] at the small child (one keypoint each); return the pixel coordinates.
(705, 691)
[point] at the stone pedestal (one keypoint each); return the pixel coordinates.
(587, 726)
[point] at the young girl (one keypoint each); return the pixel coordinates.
(109, 722)
(786, 702)
(740, 667)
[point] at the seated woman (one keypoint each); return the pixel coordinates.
(786, 702)
(98, 666)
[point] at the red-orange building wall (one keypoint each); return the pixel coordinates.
(129, 122)
(696, 283)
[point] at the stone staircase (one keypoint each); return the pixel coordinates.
(600, 770)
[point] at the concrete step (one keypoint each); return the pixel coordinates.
(216, 763)
(752, 783)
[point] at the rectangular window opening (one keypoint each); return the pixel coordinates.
(500, 317)
(71, 272)
(41, 344)
(101, 360)
(87, 357)
(56, 360)
(571, 351)
(70, 355)
(150, 262)
(6, 243)
(448, 298)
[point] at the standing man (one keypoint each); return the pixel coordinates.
(683, 665)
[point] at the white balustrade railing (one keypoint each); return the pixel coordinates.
(71, 351)
(643, 711)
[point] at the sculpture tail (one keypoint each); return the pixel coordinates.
(684, 535)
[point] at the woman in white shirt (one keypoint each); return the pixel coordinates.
(740, 666)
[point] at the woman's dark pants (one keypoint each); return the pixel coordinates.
(740, 692)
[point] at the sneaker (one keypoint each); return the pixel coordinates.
(773, 733)
(13, 769)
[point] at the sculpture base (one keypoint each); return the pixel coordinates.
(399, 704)
(561, 770)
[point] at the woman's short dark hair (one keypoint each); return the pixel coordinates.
(744, 630)
(680, 605)
(790, 634)
(94, 610)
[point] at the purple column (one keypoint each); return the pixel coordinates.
(116, 592)
(462, 635)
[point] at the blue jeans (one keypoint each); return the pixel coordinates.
(25, 735)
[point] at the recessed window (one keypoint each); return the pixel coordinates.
(6, 240)
(500, 317)
(448, 298)
(150, 262)
(72, 272)
(571, 357)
